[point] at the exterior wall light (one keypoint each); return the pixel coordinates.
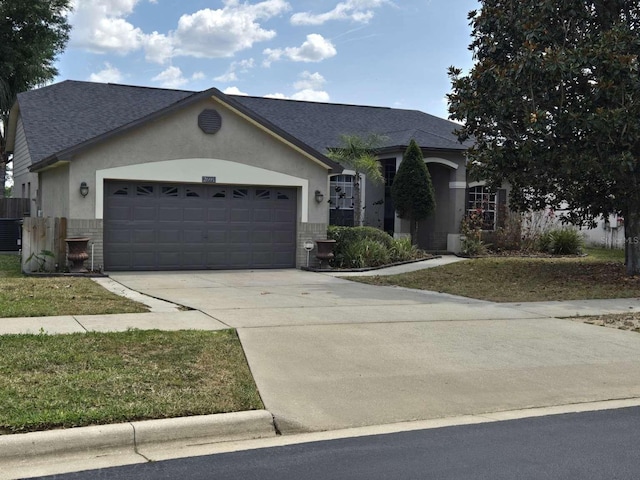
(319, 196)
(84, 189)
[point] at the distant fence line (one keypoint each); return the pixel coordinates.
(14, 207)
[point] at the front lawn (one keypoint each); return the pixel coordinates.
(32, 296)
(53, 381)
(517, 279)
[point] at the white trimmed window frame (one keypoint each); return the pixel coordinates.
(343, 199)
(479, 197)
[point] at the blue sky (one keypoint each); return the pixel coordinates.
(369, 52)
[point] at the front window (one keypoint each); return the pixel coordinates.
(341, 187)
(341, 200)
(482, 202)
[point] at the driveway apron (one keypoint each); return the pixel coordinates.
(328, 353)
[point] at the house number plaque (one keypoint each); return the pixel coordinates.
(208, 179)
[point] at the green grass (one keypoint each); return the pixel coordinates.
(52, 381)
(517, 279)
(35, 296)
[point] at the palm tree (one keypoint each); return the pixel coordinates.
(358, 154)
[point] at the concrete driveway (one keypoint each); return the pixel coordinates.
(328, 353)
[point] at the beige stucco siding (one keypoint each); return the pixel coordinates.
(55, 195)
(173, 148)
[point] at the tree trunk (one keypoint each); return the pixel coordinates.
(632, 242)
(413, 231)
(357, 201)
(3, 178)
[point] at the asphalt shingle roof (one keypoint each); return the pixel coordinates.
(320, 124)
(66, 114)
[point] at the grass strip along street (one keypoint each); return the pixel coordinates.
(56, 381)
(53, 381)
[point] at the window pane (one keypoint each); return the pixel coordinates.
(482, 202)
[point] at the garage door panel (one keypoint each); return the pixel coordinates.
(240, 214)
(122, 212)
(169, 260)
(217, 214)
(194, 214)
(169, 235)
(117, 236)
(216, 237)
(145, 213)
(163, 226)
(170, 214)
(144, 260)
(238, 237)
(144, 236)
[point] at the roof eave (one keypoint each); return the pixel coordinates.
(395, 148)
(12, 128)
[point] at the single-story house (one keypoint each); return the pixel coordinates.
(169, 179)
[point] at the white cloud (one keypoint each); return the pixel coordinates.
(109, 74)
(158, 47)
(198, 76)
(315, 49)
(99, 26)
(230, 75)
(234, 91)
(311, 95)
(354, 10)
(172, 77)
(223, 32)
(313, 81)
(309, 89)
(280, 96)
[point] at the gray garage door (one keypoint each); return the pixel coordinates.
(158, 226)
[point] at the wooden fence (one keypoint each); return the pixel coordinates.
(14, 207)
(43, 245)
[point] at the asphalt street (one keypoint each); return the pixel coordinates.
(585, 446)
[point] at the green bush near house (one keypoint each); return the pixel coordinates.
(561, 241)
(362, 247)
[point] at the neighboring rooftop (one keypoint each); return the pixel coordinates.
(66, 114)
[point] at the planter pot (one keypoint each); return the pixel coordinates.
(325, 251)
(77, 253)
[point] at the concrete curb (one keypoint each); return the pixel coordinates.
(200, 429)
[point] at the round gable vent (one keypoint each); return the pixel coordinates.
(209, 121)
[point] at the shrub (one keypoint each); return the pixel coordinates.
(365, 253)
(403, 250)
(471, 230)
(359, 247)
(561, 241)
(509, 236)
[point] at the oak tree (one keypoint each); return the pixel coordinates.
(553, 106)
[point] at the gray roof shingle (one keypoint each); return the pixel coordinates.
(321, 124)
(67, 114)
